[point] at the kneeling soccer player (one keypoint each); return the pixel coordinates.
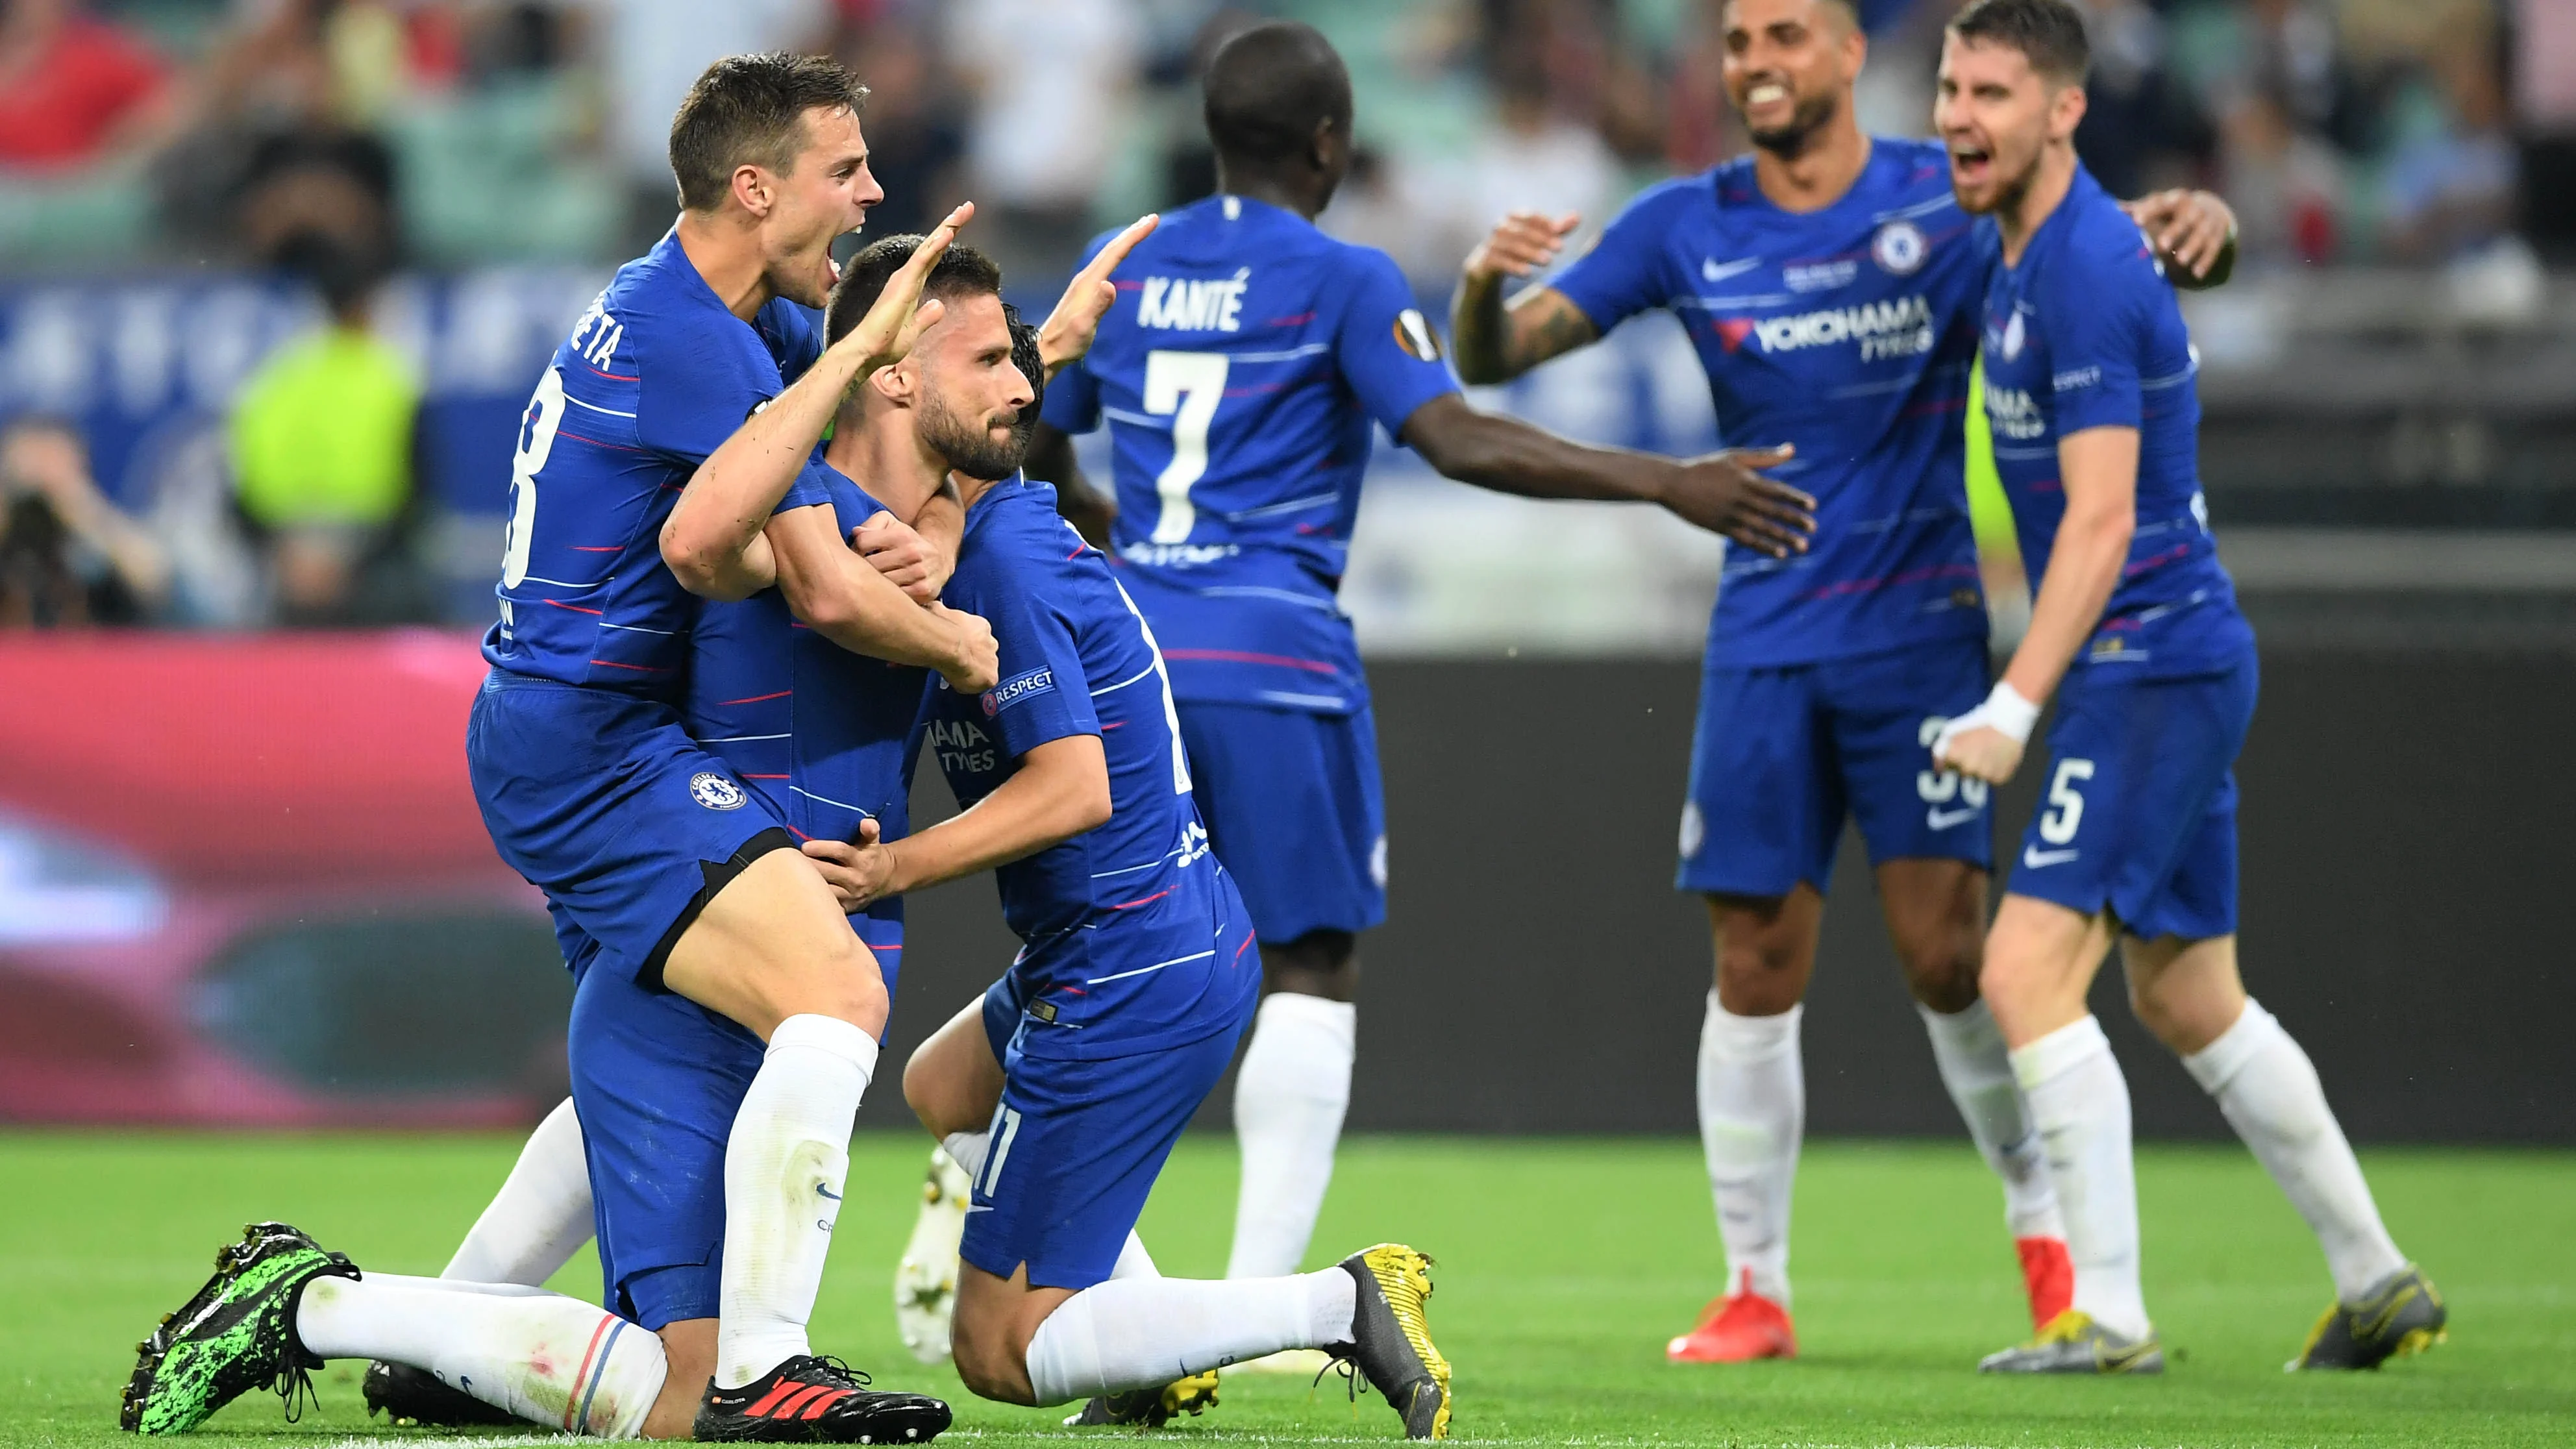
(1136, 982)
(2090, 388)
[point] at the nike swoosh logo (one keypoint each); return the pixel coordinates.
(2034, 857)
(1710, 271)
(1944, 819)
(827, 1192)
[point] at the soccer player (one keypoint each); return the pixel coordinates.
(1243, 386)
(1137, 976)
(1829, 285)
(673, 887)
(2090, 388)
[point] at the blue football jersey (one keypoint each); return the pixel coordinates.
(2086, 333)
(654, 377)
(1850, 332)
(826, 734)
(1244, 370)
(1119, 922)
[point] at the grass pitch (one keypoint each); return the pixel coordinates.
(1563, 1268)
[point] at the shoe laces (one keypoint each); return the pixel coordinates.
(294, 1386)
(834, 1364)
(1350, 1371)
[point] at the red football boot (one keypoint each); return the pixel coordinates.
(2048, 1275)
(1738, 1328)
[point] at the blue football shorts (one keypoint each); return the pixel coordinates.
(1783, 754)
(656, 1081)
(2139, 817)
(1295, 809)
(604, 803)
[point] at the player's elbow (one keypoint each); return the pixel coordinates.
(1086, 802)
(694, 560)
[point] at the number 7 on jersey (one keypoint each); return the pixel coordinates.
(1186, 387)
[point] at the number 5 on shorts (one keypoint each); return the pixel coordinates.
(2066, 808)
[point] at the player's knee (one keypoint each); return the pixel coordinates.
(1944, 977)
(937, 1098)
(1760, 977)
(992, 1366)
(839, 979)
(1321, 963)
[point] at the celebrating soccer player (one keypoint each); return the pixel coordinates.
(2090, 387)
(1244, 371)
(674, 888)
(1829, 285)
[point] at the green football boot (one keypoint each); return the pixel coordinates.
(236, 1334)
(2072, 1343)
(2403, 1315)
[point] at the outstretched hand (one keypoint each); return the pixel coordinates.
(1520, 244)
(885, 336)
(2188, 227)
(1076, 319)
(1725, 493)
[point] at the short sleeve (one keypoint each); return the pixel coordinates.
(697, 386)
(1043, 694)
(1386, 349)
(1623, 273)
(2097, 319)
(813, 486)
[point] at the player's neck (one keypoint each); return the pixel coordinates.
(728, 259)
(971, 491)
(878, 451)
(1820, 172)
(1271, 189)
(2022, 218)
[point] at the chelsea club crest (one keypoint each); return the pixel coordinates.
(1899, 248)
(715, 791)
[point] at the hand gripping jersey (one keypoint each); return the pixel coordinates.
(654, 377)
(1848, 331)
(1243, 371)
(1135, 939)
(2086, 333)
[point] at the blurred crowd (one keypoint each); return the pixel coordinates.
(347, 140)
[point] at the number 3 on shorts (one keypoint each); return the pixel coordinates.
(2066, 808)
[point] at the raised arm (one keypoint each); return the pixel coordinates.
(709, 537)
(1495, 343)
(2099, 468)
(1721, 492)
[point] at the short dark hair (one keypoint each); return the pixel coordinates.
(1850, 10)
(1029, 359)
(961, 271)
(751, 108)
(2050, 33)
(1269, 88)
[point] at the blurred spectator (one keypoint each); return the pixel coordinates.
(1530, 157)
(322, 450)
(73, 88)
(2545, 82)
(2142, 131)
(1701, 128)
(1051, 82)
(68, 557)
(2450, 192)
(915, 123)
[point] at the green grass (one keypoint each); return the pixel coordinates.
(1563, 1268)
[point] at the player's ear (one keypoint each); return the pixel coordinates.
(2066, 112)
(751, 189)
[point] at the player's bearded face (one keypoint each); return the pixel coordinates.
(1994, 113)
(1788, 70)
(825, 196)
(973, 397)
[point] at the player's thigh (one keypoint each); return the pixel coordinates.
(1936, 919)
(657, 1081)
(2187, 992)
(1295, 809)
(2040, 961)
(1764, 809)
(1765, 948)
(772, 943)
(1883, 711)
(953, 1081)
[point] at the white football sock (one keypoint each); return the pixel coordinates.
(786, 1163)
(1289, 1100)
(1137, 1333)
(540, 1217)
(1752, 1112)
(2269, 1090)
(2081, 1105)
(549, 1359)
(967, 1150)
(1969, 1049)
